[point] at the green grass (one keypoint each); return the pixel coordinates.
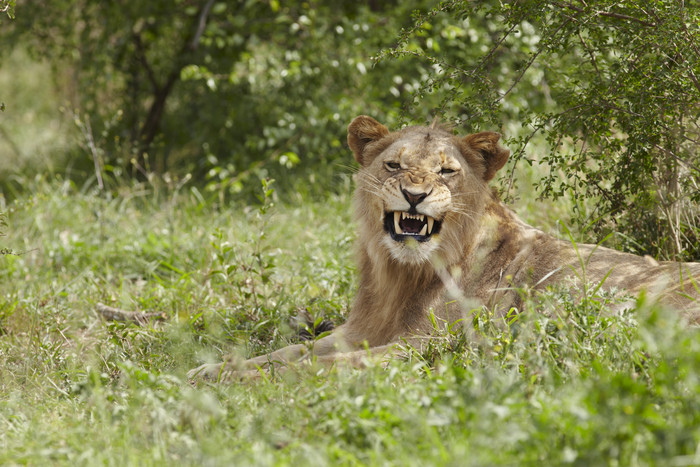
(561, 384)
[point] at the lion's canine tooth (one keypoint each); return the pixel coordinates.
(430, 224)
(397, 218)
(424, 230)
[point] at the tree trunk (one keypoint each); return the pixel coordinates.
(151, 125)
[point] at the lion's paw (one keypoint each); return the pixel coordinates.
(211, 372)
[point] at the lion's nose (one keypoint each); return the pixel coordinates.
(414, 198)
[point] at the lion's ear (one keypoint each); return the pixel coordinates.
(494, 155)
(362, 131)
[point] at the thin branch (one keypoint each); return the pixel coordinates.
(404, 35)
(590, 53)
(606, 14)
(530, 62)
(495, 47)
(520, 76)
(8, 251)
(691, 43)
(141, 54)
(679, 159)
(694, 79)
(516, 157)
(201, 24)
(443, 64)
(608, 105)
(625, 17)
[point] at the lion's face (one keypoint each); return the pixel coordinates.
(417, 188)
(417, 179)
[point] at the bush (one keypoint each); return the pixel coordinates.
(611, 85)
(229, 92)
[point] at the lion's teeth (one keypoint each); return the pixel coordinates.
(430, 224)
(424, 230)
(421, 217)
(397, 218)
(403, 214)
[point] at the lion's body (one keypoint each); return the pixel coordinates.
(433, 237)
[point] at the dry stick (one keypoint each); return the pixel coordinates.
(115, 314)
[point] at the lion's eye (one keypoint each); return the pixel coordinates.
(392, 165)
(446, 171)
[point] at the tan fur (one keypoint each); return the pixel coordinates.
(481, 253)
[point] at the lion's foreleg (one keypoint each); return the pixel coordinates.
(232, 368)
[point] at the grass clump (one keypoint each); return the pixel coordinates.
(560, 383)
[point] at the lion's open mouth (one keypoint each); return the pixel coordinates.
(402, 225)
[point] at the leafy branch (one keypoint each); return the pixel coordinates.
(616, 99)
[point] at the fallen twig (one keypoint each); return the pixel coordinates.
(115, 314)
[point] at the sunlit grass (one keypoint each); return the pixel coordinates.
(559, 384)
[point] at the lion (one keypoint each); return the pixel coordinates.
(434, 241)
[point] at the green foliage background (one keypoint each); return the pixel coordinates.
(222, 90)
(603, 95)
(133, 145)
